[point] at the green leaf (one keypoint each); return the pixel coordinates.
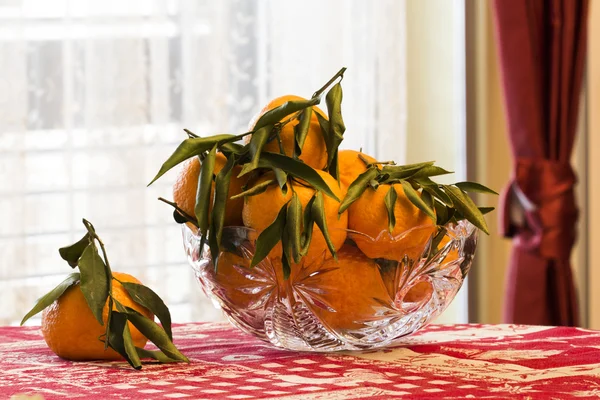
(119, 339)
(427, 199)
(486, 210)
(132, 353)
(285, 256)
(108, 320)
(277, 137)
(179, 215)
(301, 130)
(408, 167)
(464, 205)
(337, 128)
(441, 213)
(403, 171)
(474, 187)
(203, 240)
(307, 225)
(155, 334)
(294, 226)
(287, 270)
(120, 307)
(155, 354)
(334, 168)
(424, 182)
(94, 280)
(435, 242)
(414, 198)
(383, 178)
(390, 204)
(435, 190)
(204, 192)
(256, 189)
(331, 143)
(217, 219)
(180, 219)
(257, 142)
(233, 148)
(275, 115)
(297, 169)
(51, 296)
(221, 195)
(281, 177)
(146, 297)
(356, 188)
(214, 250)
(451, 214)
(429, 170)
(190, 148)
(324, 125)
(90, 228)
(269, 237)
(72, 253)
(318, 214)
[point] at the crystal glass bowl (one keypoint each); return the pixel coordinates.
(353, 303)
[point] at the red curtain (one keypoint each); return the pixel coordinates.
(542, 46)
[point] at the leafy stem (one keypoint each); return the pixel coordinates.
(95, 282)
(190, 133)
(442, 203)
(369, 163)
(339, 74)
(94, 236)
(364, 160)
(178, 209)
(290, 119)
(279, 141)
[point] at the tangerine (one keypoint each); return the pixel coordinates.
(419, 292)
(351, 166)
(350, 291)
(186, 186)
(368, 215)
(314, 151)
(262, 209)
(71, 330)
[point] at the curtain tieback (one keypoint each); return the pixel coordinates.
(538, 207)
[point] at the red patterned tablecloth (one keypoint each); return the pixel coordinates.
(456, 361)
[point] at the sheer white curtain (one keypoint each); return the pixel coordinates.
(94, 96)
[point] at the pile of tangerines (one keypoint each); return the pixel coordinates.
(310, 202)
(367, 215)
(354, 267)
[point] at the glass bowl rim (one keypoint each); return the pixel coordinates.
(452, 230)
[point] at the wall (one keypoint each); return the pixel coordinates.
(435, 98)
(489, 159)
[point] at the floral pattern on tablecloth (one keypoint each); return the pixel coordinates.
(441, 362)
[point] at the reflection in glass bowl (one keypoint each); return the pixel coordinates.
(351, 303)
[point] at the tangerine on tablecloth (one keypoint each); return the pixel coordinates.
(441, 361)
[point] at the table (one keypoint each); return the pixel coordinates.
(441, 361)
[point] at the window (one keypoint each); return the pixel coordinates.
(94, 96)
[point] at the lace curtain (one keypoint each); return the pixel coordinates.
(94, 96)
